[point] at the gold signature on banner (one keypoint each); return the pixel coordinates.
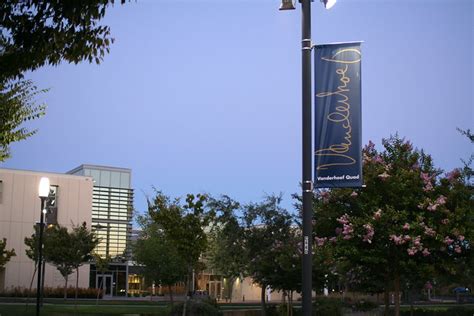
(342, 111)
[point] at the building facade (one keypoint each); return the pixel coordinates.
(20, 212)
(112, 210)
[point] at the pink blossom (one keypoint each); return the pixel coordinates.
(407, 238)
(398, 240)
(427, 181)
(448, 241)
(344, 219)
(347, 237)
(366, 158)
(457, 249)
(428, 187)
(441, 200)
(383, 176)
(347, 229)
(417, 242)
(430, 232)
(426, 252)
(461, 238)
(338, 230)
(378, 159)
(406, 226)
(354, 194)
(377, 215)
(370, 146)
(445, 221)
(333, 239)
(432, 207)
(453, 175)
(425, 177)
(415, 166)
(370, 233)
(320, 241)
(421, 206)
(412, 251)
(325, 196)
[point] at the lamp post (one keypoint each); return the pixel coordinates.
(43, 192)
(307, 182)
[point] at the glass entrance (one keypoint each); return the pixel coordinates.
(215, 289)
(105, 282)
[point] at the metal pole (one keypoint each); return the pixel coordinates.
(307, 157)
(40, 257)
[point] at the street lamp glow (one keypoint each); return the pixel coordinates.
(43, 188)
(328, 4)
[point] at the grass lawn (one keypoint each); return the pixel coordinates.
(60, 310)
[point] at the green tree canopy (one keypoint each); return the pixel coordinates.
(268, 242)
(403, 223)
(161, 260)
(5, 255)
(227, 253)
(17, 106)
(66, 250)
(183, 227)
(34, 33)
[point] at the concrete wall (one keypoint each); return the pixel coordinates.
(20, 210)
(247, 290)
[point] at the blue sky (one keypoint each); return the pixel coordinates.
(205, 95)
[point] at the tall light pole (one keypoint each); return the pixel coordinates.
(43, 193)
(307, 183)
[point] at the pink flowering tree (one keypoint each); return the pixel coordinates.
(405, 223)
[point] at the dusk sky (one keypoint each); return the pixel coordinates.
(205, 95)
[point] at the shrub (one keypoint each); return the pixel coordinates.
(450, 311)
(327, 307)
(364, 306)
(52, 292)
(323, 306)
(196, 308)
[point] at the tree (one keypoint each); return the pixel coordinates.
(60, 252)
(161, 260)
(31, 251)
(268, 227)
(400, 225)
(227, 254)
(83, 242)
(5, 255)
(17, 106)
(67, 251)
(183, 226)
(35, 33)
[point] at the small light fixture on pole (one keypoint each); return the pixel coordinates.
(307, 155)
(43, 193)
(287, 5)
(328, 4)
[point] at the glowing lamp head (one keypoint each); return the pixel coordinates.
(43, 188)
(328, 4)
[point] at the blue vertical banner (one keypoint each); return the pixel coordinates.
(338, 116)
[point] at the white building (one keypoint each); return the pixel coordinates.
(20, 211)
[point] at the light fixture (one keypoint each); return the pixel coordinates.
(287, 5)
(328, 4)
(43, 188)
